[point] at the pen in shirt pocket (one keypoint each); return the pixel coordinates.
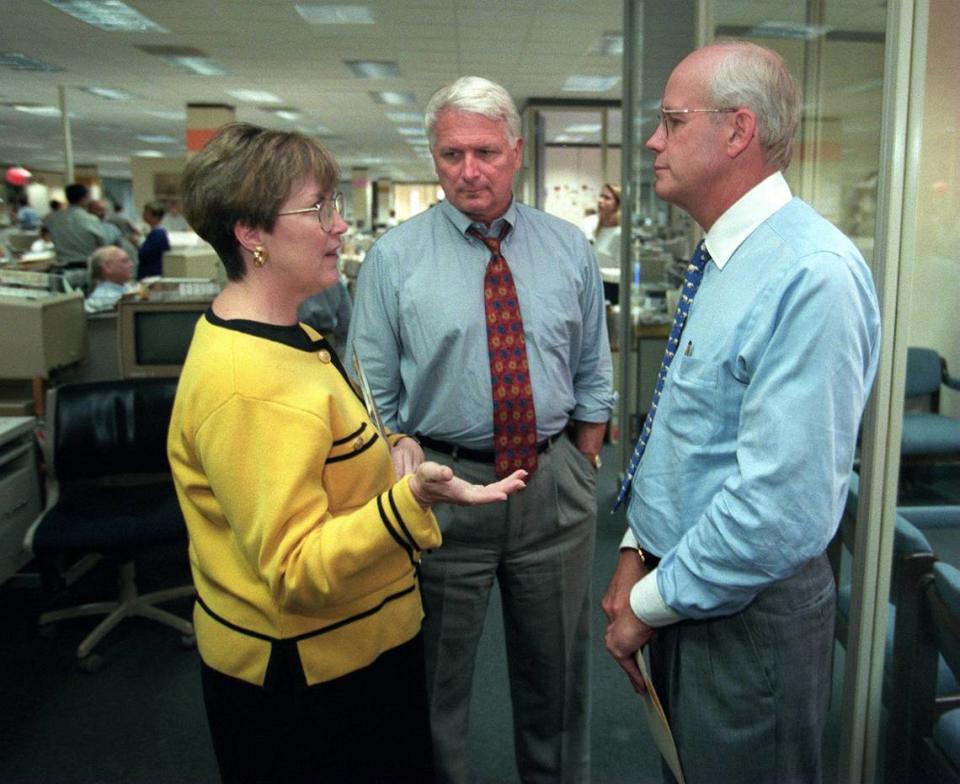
(688, 351)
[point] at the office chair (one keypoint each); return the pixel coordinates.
(931, 750)
(110, 492)
(928, 435)
(913, 559)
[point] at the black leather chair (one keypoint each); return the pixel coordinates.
(110, 492)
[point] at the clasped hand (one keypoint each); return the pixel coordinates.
(626, 634)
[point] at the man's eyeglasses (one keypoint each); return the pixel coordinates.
(667, 118)
(325, 210)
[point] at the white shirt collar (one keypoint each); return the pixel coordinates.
(742, 218)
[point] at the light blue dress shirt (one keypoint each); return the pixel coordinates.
(419, 324)
(745, 474)
(106, 296)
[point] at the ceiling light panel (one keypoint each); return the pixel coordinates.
(405, 117)
(42, 111)
(373, 69)
(335, 14)
(188, 58)
(609, 44)
(109, 93)
(255, 96)
(156, 138)
(583, 128)
(110, 15)
(790, 30)
(17, 61)
(167, 114)
(579, 83)
(393, 98)
(202, 66)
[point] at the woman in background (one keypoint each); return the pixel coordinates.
(606, 240)
(304, 545)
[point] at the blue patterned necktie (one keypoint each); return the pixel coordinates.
(691, 283)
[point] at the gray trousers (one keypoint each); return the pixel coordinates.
(539, 546)
(747, 695)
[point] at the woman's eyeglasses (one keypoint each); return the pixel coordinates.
(325, 210)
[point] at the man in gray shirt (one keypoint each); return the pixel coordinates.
(480, 325)
(75, 234)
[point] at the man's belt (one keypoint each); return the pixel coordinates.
(478, 455)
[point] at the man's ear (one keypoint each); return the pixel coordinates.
(743, 131)
(247, 236)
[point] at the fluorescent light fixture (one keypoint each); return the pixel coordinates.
(405, 117)
(113, 158)
(583, 128)
(373, 69)
(22, 62)
(579, 83)
(335, 14)
(109, 93)
(110, 15)
(610, 44)
(567, 138)
(415, 130)
(393, 98)
(797, 30)
(202, 66)
(147, 154)
(157, 138)
(186, 57)
(856, 88)
(40, 111)
(255, 96)
(167, 114)
(287, 113)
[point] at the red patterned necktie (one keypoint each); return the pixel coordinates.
(514, 417)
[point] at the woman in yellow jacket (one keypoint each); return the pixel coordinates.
(304, 545)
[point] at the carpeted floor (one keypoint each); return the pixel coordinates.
(140, 718)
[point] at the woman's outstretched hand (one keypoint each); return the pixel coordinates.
(433, 483)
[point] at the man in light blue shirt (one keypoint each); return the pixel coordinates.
(745, 472)
(111, 270)
(420, 327)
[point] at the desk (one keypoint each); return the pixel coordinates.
(20, 500)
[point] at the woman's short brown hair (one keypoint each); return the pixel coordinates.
(244, 174)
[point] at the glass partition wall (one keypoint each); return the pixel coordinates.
(878, 155)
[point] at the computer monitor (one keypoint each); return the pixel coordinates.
(154, 336)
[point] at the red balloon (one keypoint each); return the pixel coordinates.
(17, 176)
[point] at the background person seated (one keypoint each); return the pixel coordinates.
(111, 270)
(27, 217)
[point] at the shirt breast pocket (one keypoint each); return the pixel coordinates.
(694, 413)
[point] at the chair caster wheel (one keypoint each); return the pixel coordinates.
(188, 641)
(92, 662)
(48, 631)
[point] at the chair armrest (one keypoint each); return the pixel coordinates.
(939, 516)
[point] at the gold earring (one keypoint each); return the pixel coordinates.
(259, 256)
